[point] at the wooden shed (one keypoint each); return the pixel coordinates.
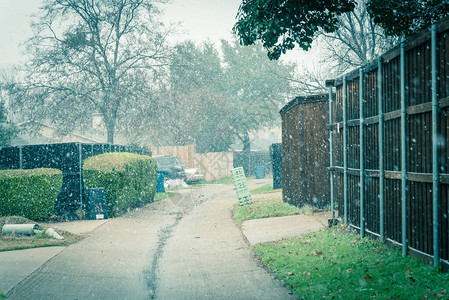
(305, 151)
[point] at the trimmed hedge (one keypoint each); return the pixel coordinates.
(129, 179)
(29, 193)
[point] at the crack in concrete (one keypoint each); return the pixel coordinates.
(164, 235)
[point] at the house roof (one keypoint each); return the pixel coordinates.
(35, 132)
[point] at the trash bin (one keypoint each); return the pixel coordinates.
(260, 172)
(160, 181)
(96, 204)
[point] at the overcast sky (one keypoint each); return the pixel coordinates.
(201, 20)
(14, 27)
(204, 19)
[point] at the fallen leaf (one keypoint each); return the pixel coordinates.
(367, 277)
(305, 273)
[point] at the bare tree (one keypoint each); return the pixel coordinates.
(358, 39)
(8, 79)
(357, 42)
(93, 56)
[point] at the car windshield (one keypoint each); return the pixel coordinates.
(163, 161)
(166, 161)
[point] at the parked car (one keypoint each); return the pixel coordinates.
(173, 167)
(193, 175)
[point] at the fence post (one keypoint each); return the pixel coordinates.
(435, 170)
(403, 152)
(21, 157)
(331, 149)
(362, 158)
(80, 166)
(249, 163)
(381, 150)
(345, 149)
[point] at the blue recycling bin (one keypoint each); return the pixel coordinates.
(260, 172)
(160, 188)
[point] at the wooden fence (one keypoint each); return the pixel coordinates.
(305, 151)
(184, 153)
(389, 145)
(213, 165)
(216, 165)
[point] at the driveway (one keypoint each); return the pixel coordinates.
(183, 247)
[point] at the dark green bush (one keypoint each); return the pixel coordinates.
(129, 179)
(29, 193)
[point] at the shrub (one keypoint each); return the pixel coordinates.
(29, 193)
(129, 179)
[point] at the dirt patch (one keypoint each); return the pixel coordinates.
(16, 241)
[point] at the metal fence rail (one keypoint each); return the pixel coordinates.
(389, 145)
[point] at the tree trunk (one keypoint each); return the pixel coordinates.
(246, 142)
(110, 128)
(110, 136)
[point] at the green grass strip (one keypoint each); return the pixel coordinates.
(264, 208)
(338, 264)
(266, 188)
